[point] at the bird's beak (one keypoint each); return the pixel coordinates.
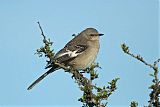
(100, 34)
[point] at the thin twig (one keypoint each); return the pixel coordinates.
(44, 37)
(156, 62)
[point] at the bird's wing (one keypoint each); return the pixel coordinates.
(69, 52)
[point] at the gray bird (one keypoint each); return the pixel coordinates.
(77, 54)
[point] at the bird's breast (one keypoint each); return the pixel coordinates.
(85, 59)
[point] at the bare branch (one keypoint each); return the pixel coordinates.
(154, 95)
(44, 37)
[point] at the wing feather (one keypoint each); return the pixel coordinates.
(69, 52)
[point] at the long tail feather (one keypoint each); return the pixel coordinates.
(41, 78)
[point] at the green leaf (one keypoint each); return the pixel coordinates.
(152, 75)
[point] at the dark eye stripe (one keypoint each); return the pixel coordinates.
(92, 35)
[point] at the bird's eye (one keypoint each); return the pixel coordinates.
(92, 35)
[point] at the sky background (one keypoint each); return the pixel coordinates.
(134, 22)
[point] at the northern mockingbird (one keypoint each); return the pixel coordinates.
(77, 54)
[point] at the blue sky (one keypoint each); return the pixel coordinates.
(134, 22)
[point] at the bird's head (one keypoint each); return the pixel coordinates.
(92, 34)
